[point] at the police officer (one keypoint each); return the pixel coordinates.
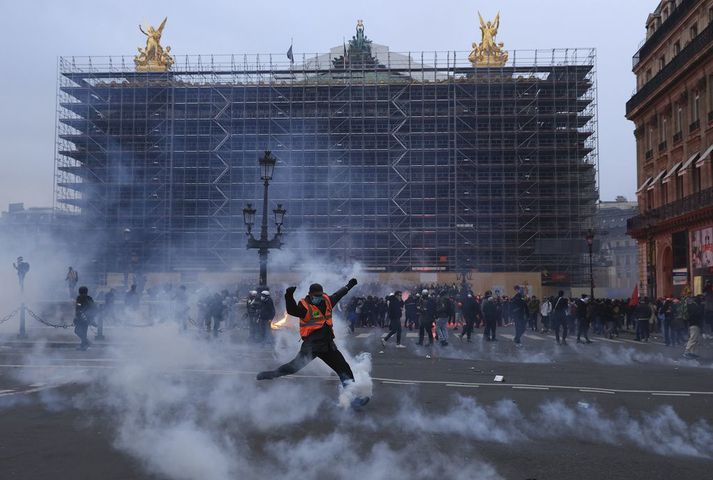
(266, 315)
(394, 307)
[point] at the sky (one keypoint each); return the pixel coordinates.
(35, 33)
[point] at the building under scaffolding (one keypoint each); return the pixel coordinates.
(405, 162)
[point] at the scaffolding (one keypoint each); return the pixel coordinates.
(402, 161)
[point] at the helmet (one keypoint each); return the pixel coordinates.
(265, 292)
(424, 292)
(253, 292)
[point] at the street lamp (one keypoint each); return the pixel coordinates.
(263, 245)
(590, 244)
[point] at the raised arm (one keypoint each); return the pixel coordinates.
(339, 294)
(293, 308)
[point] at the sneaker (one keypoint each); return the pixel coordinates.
(400, 346)
(383, 342)
(428, 357)
(265, 375)
(518, 345)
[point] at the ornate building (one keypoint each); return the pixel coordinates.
(672, 110)
(421, 162)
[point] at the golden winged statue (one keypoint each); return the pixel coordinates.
(488, 53)
(153, 57)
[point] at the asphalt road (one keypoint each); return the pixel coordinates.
(614, 409)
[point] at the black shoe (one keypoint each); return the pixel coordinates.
(269, 375)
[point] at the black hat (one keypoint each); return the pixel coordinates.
(316, 288)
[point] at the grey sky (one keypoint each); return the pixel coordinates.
(34, 33)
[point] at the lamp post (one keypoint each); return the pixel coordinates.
(590, 245)
(263, 244)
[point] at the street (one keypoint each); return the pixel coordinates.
(150, 403)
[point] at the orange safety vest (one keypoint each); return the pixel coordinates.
(315, 319)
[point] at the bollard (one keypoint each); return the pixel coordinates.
(100, 328)
(23, 333)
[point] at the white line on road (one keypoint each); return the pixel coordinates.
(461, 385)
(670, 394)
(534, 337)
(592, 390)
(516, 387)
(363, 335)
(25, 392)
(5, 391)
(388, 382)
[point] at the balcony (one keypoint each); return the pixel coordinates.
(649, 154)
(666, 27)
(702, 42)
(663, 146)
(694, 126)
(710, 117)
(677, 137)
(689, 204)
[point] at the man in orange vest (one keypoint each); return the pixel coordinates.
(315, 314)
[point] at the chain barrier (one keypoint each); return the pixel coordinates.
(45, 322)
(9, 316)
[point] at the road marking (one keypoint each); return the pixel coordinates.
(592, 390)
(459, 385)
(380, 379)
(507, 335)
(363, 335)
(26, 392)
(534, 337)
(610, 340)
(6, 391)
(412, 335)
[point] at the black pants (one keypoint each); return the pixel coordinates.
(80, 329)
(560, 322)
(582, 329)
(331, 356)
(394, 329)
(425, 327)
(520, 327)
(490, 326)
(468, 329)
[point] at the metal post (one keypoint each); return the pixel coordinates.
(591, 274)
(100, 328)
(263, 238)
(23, 332)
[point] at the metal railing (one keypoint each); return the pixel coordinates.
(691, 203)
(672, 69)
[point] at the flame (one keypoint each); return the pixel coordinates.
(279, 324)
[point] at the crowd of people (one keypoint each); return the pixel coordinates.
(433, 309)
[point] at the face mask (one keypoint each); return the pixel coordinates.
(316, 300)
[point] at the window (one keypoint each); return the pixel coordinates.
(694, 31)
(664, 193)
(696, 179)
(677, 47)
(650, 199)
(679, 120)
(662, 62)
(663, 129)
(710, 93)
(710, 14)
(648, 74)
(695, 106)
(679, 186)
(649, 137)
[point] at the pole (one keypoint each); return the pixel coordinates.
(591, 274)
(263, 238)
(23, 333)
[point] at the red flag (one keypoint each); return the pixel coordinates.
(634, 301)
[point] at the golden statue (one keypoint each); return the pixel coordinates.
(488, 53)
(153, 58)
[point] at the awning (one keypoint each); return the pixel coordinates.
(644, 185)
(656, 179)
(671, 173)
(685, 166)
(705, 156)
